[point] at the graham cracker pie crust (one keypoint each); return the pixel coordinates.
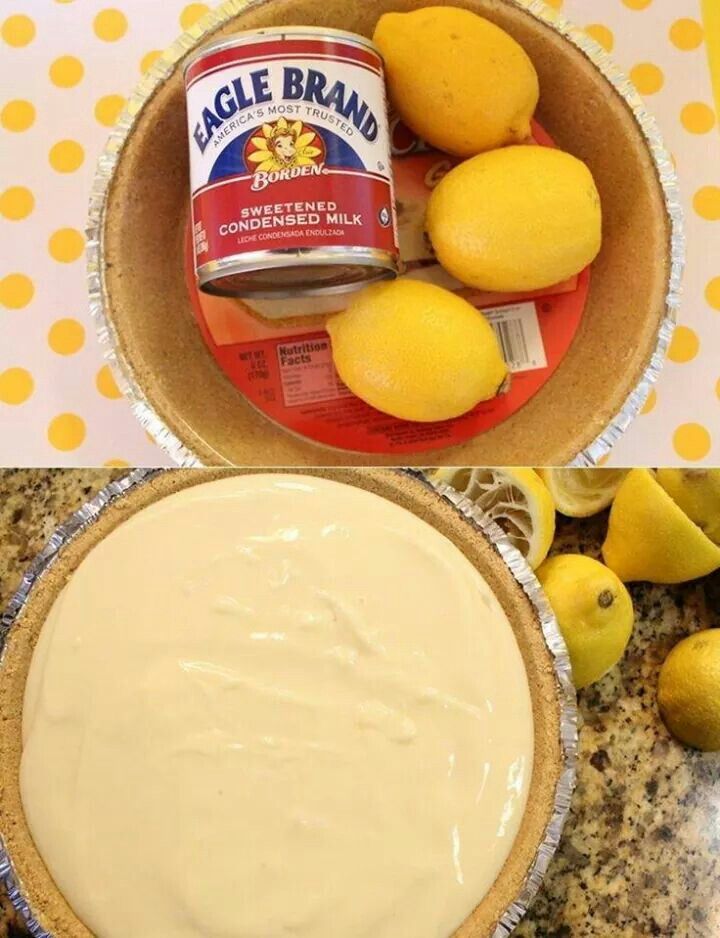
(161, 350)
(44, 898)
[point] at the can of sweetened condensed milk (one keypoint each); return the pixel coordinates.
(290, 172)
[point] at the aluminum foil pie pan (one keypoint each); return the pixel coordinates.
(140, 305)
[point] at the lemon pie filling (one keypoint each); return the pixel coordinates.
(270, 706)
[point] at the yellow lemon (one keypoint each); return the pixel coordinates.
(579, 493)
(416, 351)
(515, 499)
(594, 612)
(697, 492)
(460, 82)
(651, 538)
(517, 219)
(689, 690)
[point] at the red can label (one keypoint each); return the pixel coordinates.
(289, 147)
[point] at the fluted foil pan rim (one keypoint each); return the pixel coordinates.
(166, 439)
(61, 536)
(90, 512)
(567, 699)
(601, 447)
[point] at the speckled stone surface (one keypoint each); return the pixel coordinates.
(640, 855)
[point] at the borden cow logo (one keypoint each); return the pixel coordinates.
(283, 150)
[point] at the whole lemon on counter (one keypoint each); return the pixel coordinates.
(689, 690)
(651, 538)
(416, 351)
(522, 218)
(594, 612)
(461, 83)
(697, 492)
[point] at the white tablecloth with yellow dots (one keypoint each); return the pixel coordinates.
(65, 68)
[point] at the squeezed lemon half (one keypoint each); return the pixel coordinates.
(580, 493)
(697, 492)
(651, 538)
(516, 499)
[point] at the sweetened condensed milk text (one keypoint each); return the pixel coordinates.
(288, 215)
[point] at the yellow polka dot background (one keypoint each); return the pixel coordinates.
(66, 69)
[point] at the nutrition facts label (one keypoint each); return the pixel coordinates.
(307, 373)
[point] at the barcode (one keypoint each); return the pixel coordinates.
(518, 332)
(512, 341)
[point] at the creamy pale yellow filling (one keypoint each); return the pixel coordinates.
(275, 706)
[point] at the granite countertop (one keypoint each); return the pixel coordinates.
(640, 854)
